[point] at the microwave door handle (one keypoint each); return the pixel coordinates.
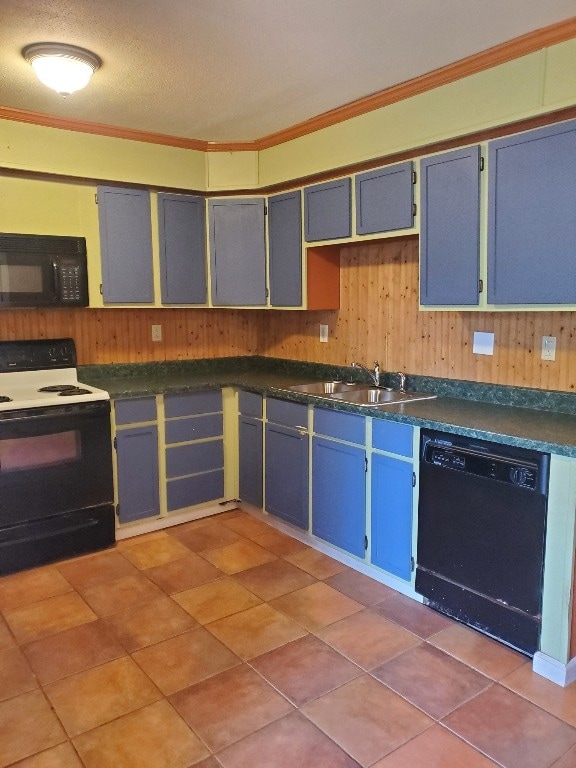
(56, 278)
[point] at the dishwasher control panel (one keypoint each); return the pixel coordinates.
(506, 470)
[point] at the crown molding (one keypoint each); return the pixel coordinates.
(492, 57)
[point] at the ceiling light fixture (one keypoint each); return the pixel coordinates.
(65, 68)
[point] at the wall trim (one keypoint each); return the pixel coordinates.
(499, 54)
(553, 670)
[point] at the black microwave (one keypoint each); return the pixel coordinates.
(43, 271)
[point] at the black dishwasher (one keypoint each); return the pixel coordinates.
(481, 532)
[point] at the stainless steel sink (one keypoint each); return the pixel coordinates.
(322, 387)
(359, 394)
(374, 397)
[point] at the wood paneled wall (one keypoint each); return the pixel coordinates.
(124, 335)
(378, 319)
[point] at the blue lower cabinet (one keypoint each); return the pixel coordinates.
(287, 474)
(392, 511)
(197, 489)
(138, 481)
(250, 460)
(339, 494)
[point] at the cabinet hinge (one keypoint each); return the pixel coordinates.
(366, 465)
(117, 508)
(115, 443)
(481, 163)
(480, 286)
(414, 209)
(365, 542)
(101, 291)
(96, 197)
(267, 292)
(413, 479)
(414, 177)
(265, 210)
(412, 564)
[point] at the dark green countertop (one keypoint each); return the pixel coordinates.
(539, 428)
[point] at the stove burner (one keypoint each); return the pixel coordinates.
(73, 391)
(5, 399)
(57, 388)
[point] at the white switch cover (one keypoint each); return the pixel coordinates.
(483, 343)
(323, 332)
(156, 333)
(548, 347)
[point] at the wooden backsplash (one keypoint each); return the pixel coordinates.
(378, 319)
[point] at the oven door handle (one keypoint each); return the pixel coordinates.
(83, 410)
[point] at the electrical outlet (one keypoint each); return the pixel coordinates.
(323, 332)
(548, 347)
(156, 333)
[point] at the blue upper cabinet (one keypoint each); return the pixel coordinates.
(237, 252)
(126, 245)
(182, 232)
(328, 210)
(450, 228)
(385, 199)
(532, 217)
(285, 249)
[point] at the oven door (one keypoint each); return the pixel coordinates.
(28, 280)
(54, 460)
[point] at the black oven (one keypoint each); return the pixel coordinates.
(56, 485)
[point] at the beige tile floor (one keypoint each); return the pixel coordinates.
(223, 642)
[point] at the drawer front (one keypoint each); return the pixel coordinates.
(342, 426)
(194, 428)
(287, 413)
(250, 404)
(392, 437)
(192, 403)
(189, 491)
(135, 410)
(197, 457)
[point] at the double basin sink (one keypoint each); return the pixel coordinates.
(359, 394)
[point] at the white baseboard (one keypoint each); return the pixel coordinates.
(551, 669)
(129, 530)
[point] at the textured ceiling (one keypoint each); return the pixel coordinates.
(238, 70)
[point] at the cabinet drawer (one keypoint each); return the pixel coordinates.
(197, 457)
(392, 437)
(192, 403)
(250, 404)
(135, 410)
(195, 428)
(343, 426)
(189, 491)
(287, 413)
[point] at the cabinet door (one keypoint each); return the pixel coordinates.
(339, 494)
(287, 474)
(250, 460)
(182, 232)
(532, 217)
(137, 462)
(285, 249)
(125, 245)
(450, 228)
(328, 210)
(385, 199)
(237, 252)
(391, 529)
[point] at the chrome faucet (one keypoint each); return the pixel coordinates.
(402, 378)
(374, 375)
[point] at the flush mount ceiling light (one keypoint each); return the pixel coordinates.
(65, 68)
